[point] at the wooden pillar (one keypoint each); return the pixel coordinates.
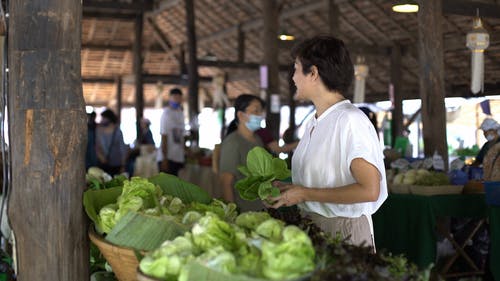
(241, 45)
(430, 48)
(119, 97)
(137, 67)
(271, 47)
(333, 18)
(397, 112)
(47, 125)
(193, 64)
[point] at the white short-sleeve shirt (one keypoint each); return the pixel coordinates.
(172, 125)
(324, 154)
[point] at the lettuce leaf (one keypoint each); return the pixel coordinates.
(260, 171)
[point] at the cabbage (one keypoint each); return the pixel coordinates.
(270, 229)
(107, 217)
(218, 259)
(251, 220)
(286, 260)
(210, 231)
(191, 217)
(167, 261)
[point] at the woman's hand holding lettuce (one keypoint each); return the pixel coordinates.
(261, 170)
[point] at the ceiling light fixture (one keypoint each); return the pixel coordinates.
(285, 36)
(405, 6)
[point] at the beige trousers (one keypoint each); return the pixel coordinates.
(356, 231)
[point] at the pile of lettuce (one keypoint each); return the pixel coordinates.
(255, 245)
(260, 171)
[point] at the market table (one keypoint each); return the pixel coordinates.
(407, 224)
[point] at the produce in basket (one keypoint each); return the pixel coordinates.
(266, 250)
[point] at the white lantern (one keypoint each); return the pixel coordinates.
(477, 40)
(360, 74)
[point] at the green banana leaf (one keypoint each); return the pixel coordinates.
(184, 190)
(145, 232)
(94, 200)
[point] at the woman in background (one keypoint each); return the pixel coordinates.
(239, 140)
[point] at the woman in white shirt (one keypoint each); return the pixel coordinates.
(338, 170)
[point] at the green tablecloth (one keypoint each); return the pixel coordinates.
(406, 224)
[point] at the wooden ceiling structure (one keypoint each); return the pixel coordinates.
(229, 40)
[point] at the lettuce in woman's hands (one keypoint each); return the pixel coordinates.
(261, 170)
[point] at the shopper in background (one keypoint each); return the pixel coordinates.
(111, 150)
(91, 155)
(239, 140)
(338, 171)
(490, 129)
(172, 127)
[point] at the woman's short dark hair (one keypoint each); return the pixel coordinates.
(110, 115)
(332, 59)
(241, 104)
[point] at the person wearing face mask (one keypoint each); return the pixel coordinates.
(239, 140)
(171, 154)
(110, 148)
(490, 130)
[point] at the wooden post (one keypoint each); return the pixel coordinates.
(192, 66)
(119, 97)
(137, 66)
(430, 48)
(48, 136)
(333, 18)
(271, 48)
(397, 112)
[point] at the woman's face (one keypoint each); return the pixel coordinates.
(300, 81)
(254, 108)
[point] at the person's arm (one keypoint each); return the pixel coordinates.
(366, 189)
(274, 147)
(226, 180)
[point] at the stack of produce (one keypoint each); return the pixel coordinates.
(255, 245)
(421, 177)
(339, 261)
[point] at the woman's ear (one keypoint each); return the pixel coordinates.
(314, 72)
(241, 115)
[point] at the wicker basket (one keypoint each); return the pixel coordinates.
(399, 188)
(436, 190)
(122, 260)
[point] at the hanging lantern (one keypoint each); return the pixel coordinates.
(477, 40)
(360, 74)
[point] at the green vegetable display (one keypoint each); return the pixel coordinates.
(257, 246)
(260, 171)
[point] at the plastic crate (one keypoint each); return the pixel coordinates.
(492, 192)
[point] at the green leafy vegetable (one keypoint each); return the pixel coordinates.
(261, 170)
(184, 190)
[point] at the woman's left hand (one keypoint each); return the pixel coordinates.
(291, 194)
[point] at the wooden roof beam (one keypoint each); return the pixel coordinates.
(134, 7)
(470, 8)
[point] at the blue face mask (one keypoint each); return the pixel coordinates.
(174, 105)
(254, 121)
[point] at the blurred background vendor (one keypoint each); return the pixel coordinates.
(490, 130)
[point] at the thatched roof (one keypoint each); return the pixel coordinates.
(369, 27)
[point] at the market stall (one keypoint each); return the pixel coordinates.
(407, 224)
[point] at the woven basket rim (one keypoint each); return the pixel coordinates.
(122, 259)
